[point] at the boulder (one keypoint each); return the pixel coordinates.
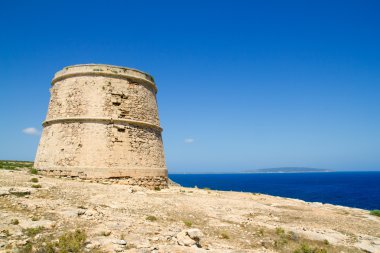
(190, 237)
(195, 234)
(183, 239)
(120, 242)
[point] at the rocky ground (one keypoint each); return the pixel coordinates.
(71, 215)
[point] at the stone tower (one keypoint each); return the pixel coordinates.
(102, 123)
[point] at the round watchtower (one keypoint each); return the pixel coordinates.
(102, 123)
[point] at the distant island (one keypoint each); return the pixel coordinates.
(287, 170)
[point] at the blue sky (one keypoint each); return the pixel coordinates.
(242, 84)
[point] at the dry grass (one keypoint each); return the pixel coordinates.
(34, 180)
(187, 223)
(151, 218)
(375, 212)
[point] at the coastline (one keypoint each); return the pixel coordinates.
(160, 221)
(352, 189)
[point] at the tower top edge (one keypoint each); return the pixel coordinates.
(101, 69)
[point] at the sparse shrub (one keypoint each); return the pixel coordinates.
(280, 231)
(36, 186)
(34, 180)
(151, 218)
(38, 247)
(15, 222)
(375, 212)
(33, 171)
(33, 231)
(68, 242)
(305, 248)
(224, 235)
(206, 188)
(73, 242)
(261, 232)
(157, 188)
(35, 218)
(325, 242)
(188, 223)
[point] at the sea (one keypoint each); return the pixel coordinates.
(352, 189)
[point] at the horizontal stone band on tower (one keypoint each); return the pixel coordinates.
(105, 74)
(102, 120)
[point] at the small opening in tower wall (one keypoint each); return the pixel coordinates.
(122, 130)
(116, 103)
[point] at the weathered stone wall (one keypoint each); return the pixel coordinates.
(102, 122)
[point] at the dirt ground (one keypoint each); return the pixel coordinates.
(121, 218)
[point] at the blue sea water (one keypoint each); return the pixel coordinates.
(353, 189)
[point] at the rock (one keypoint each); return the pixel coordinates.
(4, 191)
(91, 212)
(293, 236)
(120, 242)
(18, 191)
(190, 237)
(93, 245)
(183, 239)
(22, 243)
(89, 246)
(195, 234)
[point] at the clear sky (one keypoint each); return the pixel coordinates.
(241, 84)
